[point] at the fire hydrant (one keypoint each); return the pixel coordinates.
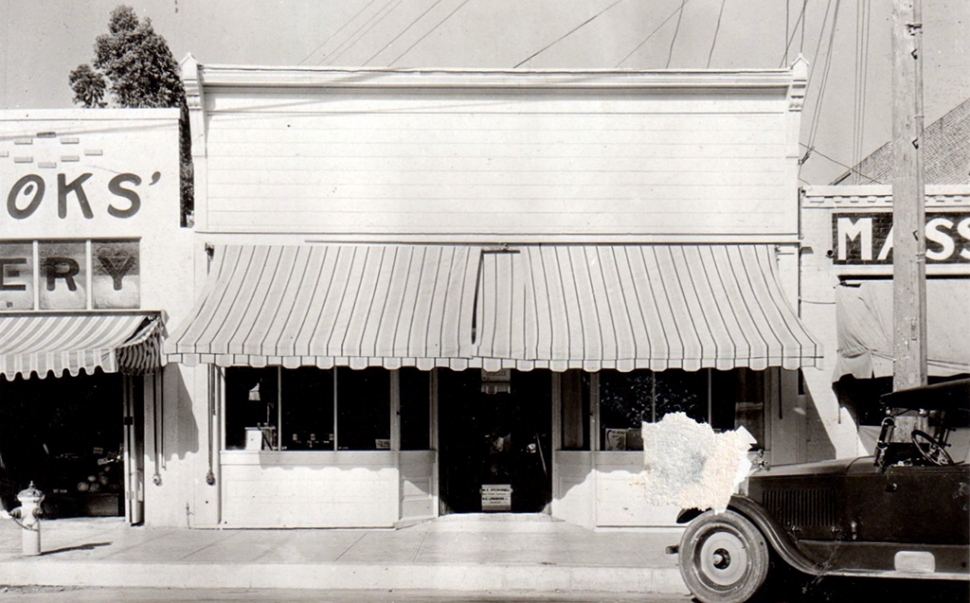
(27, 516)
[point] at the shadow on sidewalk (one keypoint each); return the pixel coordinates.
(80, 547)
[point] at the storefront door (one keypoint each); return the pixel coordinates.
(495, 441)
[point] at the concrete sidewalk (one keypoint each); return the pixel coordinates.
(466, 553)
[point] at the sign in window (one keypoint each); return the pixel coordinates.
(70, 275)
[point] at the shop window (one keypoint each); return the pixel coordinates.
(415, 387)
(251, 404)
(575, 410)
(293, 409)
(363, 409)
(307, 409)
(724, 399)
(749, 409)
(65, 434)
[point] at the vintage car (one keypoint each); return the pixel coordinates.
(903, 513)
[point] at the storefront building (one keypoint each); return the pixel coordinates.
(847, 298)
(89, 249)
(431, 292)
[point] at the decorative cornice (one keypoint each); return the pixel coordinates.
(192, 81)
(298, 77)
(799, 84)
(76, 114)
(881, 195)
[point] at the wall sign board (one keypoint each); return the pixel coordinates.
(866, 238)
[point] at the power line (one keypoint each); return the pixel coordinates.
(825, 75)
(818, 44)
(801, 15)
(334, 34)
(652, 33)
(369, 25)
(404, 31)
(810, 150)
(811, 79)
(717, 28)
(564, 36)
(680, 16)
(801, 43)
(356, 31)
(856, 87)
(418, 41)
(863, 76)
(787, 23)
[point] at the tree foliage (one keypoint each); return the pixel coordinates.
(136, 66)
(88, 86)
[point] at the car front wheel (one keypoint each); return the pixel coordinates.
(723, 558)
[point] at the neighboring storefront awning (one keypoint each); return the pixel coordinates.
(41, 343)
(864, 312)
(593, 307)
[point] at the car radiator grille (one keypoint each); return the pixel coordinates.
(802, 508)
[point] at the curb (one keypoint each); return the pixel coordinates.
(344, 576)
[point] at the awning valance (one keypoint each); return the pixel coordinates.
(535, 306)
(864, 312)
(41, 343)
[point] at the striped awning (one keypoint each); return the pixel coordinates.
(35, 343)
(559, 307)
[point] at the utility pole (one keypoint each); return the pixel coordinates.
(909, 212)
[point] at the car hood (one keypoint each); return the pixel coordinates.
(833, 467)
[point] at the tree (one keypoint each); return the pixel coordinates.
(136, 65)
(88, 86)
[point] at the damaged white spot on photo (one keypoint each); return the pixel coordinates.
(688, 465)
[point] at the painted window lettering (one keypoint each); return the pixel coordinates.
(867, 238)
(70, 274)
(80, 194)
(10, 272)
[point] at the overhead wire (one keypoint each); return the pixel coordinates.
(860, 68)
(787, 24)
(811, 75)
(437, 25)
(717, 28)
(565, 35)
(857, 85)
(334, 34)
(654, 32)
(837, 162)
(673, 40)
(801, 16)
(403, 31)
(363, 30)
(864, 77)
(825, 77)
(801, 43)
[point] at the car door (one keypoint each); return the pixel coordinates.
(930, 504)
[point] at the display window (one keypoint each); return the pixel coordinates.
(723, 399)
(308, 408)
(65, 435)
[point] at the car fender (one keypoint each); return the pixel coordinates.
(781, 542)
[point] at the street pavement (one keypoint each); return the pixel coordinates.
(150, 595)
(832, 591)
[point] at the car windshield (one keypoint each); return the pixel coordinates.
(920, 424)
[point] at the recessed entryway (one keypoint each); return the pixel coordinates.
(495, 440)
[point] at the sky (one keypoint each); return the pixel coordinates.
(41, 41)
